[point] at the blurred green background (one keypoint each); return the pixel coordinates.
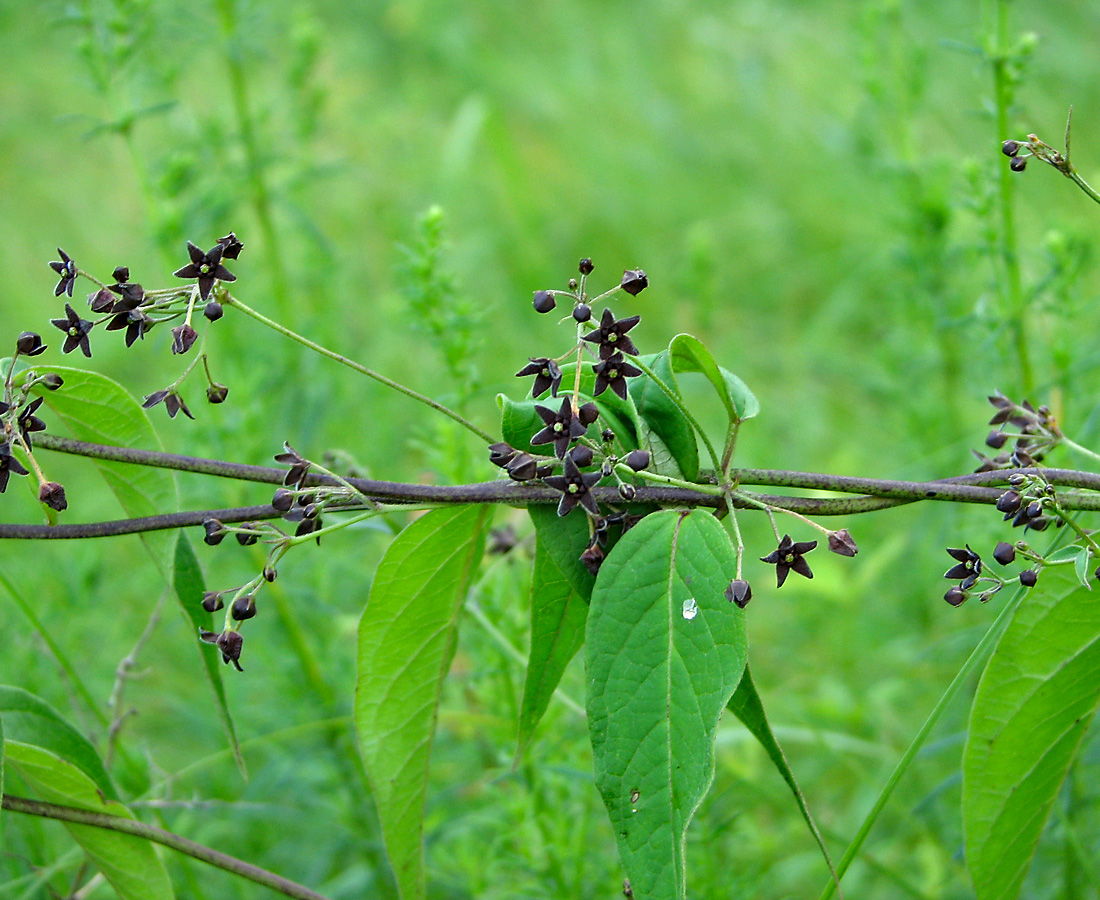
(813, 190)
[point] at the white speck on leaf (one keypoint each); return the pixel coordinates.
(691, 609)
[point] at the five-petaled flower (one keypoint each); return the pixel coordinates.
(968, 568)
(612, 373)
(66, 268)
(562, 427)
(611, 335)
(206, 267)
(788, 556)
(8, 464)
(574, 485)
(547, 375)
(76, 331)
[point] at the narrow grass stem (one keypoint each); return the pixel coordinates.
(158, 835)
(230, 300)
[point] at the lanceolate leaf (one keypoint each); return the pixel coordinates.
(564, 539)
(558, 614)
(749, 708)
(689, 355)
(664, 418)
(128, 862)
(98, 410)
(1034, 703)
(32, 720)
(406, 642)
(187, 582)
(664, 653)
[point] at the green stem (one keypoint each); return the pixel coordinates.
(230, 300)
(1012, 296)
(160, 836)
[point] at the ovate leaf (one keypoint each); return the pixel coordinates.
(749, 709)
(1034, 703)
(128, 862)
(32, 720)
(689, 355)
(100, 411)
(187, 583)
(558, 614)
(664, 653)
(406, 642)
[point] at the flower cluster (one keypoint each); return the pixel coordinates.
(974, 579)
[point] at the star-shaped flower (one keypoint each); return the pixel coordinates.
(8, 464)
(134, 321)
(66, 268)
(547, 375)
(76, 331)
(611, 335)
(206, 267)
(612, 373)
(788, 556)
(562, 427)
(969, 566)
(574, 485)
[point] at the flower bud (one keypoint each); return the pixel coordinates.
(29, 344)
(1004, 553)
(544, 301)
(283, 500)
(739, 592)
(215, 532)
(582, 312)
(53, 495)
(996, 439)
(634, 281)
(627, 491)
(212, 601)
(121, 274)
(582, 456)
(1010, 148)
(230, 643)
(842, 543)
(183, 337)
(217, 393)
(573, 285)
(51, 381)
(638, 459)
(1018, 164)
(955, 597)
(586, 266)
(243, 608)
(1028, 577)
(213, 311)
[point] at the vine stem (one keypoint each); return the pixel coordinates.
(230, 300)
(161, 836)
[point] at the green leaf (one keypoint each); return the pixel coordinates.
(689, 355)
(1, 772)
(564, 539)
(1081, 567)
(558, 614)
(189, 586)
(664, 418)
(664, 653)
(749, 709)
(406, 642)
(1033, 705)
(128, 862)
(34, 721)
(100, 411)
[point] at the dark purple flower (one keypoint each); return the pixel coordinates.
(8, 464)
(562, 427)
(612, 373)
(172, 401)
(29, 344)
(183, 337)
(299, 466)
(969, 566)
(611, 335)
(76, 331)
(206, 267)
(134, 321)
(574, 485)
(634, 281)
(28, 422)
(842, 542)
(231, 247)
(53, 495)
(547, 375)
(67, 270)
(788, 556)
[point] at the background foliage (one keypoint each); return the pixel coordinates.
(811, 188)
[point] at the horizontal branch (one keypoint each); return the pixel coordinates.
(160, 836)
(872, 494)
